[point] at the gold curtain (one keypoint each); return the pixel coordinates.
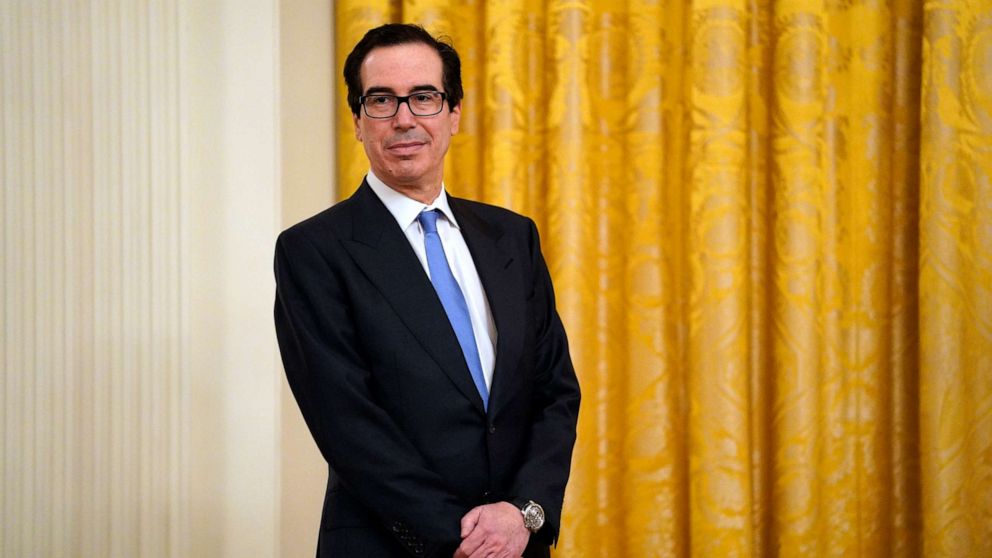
(770, 230)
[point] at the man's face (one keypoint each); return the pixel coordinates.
(406, 151)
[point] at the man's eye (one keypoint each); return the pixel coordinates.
(423, 97)
(380, 100)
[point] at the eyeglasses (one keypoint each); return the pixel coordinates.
(423, 103)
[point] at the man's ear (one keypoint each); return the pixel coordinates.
(358, 129)
(455, 116)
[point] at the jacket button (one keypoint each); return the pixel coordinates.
(492, 428)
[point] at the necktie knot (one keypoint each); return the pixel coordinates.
(428, 220)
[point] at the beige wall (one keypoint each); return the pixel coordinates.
(307, 187)
(229, 84)
(151, 151)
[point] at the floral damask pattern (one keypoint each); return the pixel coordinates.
(770, 229)
(955, 283)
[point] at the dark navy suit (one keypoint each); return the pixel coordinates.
(380, 378)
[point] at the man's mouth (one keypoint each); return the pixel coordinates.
(406, 147)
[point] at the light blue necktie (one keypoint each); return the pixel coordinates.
(453, 300)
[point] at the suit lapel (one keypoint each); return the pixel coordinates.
(498, 272)
(383, 252)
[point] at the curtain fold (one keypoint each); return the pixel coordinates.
(769, 225)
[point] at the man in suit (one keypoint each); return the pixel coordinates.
(420, 336)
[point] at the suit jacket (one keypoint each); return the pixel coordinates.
(380, 379)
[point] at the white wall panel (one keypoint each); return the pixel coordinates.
(139, 159)
(95, 394)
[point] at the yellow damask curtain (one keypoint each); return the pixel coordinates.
(770, 230)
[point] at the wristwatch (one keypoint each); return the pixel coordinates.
(533, 516)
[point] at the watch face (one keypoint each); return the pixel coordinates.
(533, 517)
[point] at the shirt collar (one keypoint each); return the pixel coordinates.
(406, 209)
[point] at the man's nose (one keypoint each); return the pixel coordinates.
(404, 117)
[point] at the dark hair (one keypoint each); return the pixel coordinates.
(392, 34)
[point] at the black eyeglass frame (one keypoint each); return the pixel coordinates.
(403, 99)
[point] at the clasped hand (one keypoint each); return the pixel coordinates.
(493, 531)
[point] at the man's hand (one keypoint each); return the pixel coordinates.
(493, 531)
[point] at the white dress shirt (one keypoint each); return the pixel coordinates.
(406, 210)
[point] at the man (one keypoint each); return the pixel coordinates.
(420, 337)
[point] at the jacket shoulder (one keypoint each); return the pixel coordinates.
(495, 216)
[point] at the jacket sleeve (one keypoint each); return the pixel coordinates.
(545, 467)
(330, 380)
